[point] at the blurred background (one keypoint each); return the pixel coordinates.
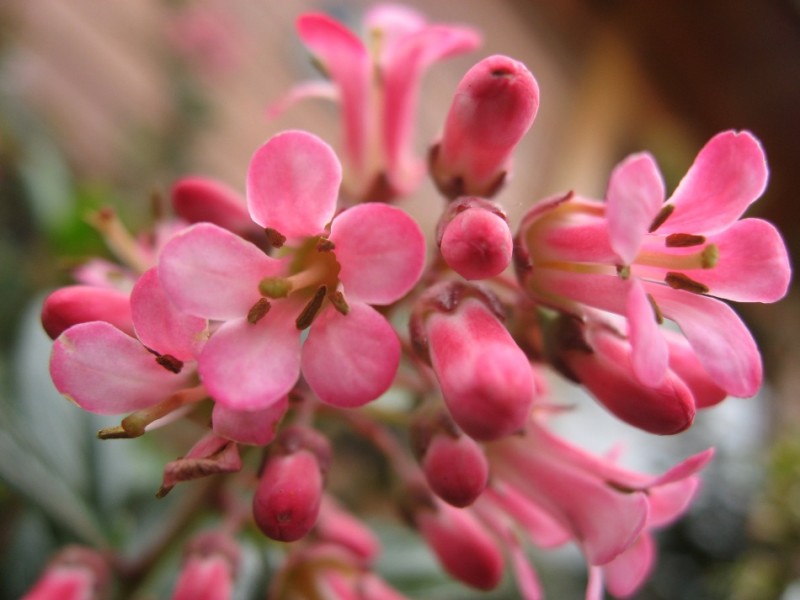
(106, 103)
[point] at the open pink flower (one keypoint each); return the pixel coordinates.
(640, 257)
(325, 277)
(377, 87)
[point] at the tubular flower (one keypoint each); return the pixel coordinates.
(377, 86)
(324, 279)
(648, 260)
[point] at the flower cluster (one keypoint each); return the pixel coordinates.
(295, 306)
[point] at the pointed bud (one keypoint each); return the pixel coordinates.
(75, 573)
(208, 569)
(494, 106)
(474, 238)
(75, 304)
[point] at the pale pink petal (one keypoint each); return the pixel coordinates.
(594, 585)
(543, 530)
(209, 272)
(579, 238)
(635, 195)
(204, 578)
(253, 427)
(392, 22)
(106, 372)
(683, 361)
(729, 173)
(348, 64)
(525, 575)
(249, 366)
(201, 199)
(670, 501)
(160, 325)
(650, 353)
(721, 340)
(301, 91)
(381, 251)
(606, 292)
(349, 360)
(684, 469)
(626, 573)
(75, 304)
(293, 184)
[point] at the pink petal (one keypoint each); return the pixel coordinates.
(253, 427)
(683, 361)
(670, 501)
(626, 573)
(209, 272)
(249, 366)
(635, 195)
(349, 360)
(541, 528)
(301, 91)
(205, 578)
(293, 184)
(393, 22)
(162, 327)
(525, 575)
(201, 199)
(721, 340)
(75, 304)
(106, 372)
(348, 64)
(650, 353)
(381, 251)
(729, 174)
(604, 291)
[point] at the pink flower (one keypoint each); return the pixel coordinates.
(377, 86)
(325, 277)
(636, 256)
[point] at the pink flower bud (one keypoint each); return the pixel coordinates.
(76, 573)
(75, 304)
(337, 526)
(456, 469)
(462, 544)
(494, 106)
(201, 199)
(474, 238)
(209, 568)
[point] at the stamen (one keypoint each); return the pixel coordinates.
(624, 271)
(258, 311)
(275, 287)
(679, 281)
(118, 239)
(134, 425)
(339, 303)
(656, 310)
(311, 309)
(684, 240)
(662, 216)
(710, 256)
(170, 363)
(274, 237)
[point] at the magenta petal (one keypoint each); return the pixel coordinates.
(635, 195)
(729, 173)
(253, 427)
(349, 360)
(106, 372)
(159, 325)
(209, 272)
(293, 184)
(348, 64)
(626, 573)
(249, 366)
(650, 353)
(381, 251)
(721, 340)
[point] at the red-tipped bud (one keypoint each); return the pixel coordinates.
(75, 304)
(200, 199)
(287, 501)
(474, 238)
(600, 359)
(75, 573)
(455, 466)
(494, 106)
(462, 545)
(209, 568)
(486, 380)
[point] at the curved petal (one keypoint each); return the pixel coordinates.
(684, 363)
(635, 195)
(348, 64)
(293, 184)
(626, 573)
(306, 89)
(728, 175)
(162, 327)
(247, 366)
(721, 340)
(381, 251)
(650, 353)
(106, 372)
(201, 199)
(254, 427)
(349, 360)
(209, 272)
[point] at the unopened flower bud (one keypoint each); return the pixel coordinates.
(75, 304)
(76, 573)
(209, 568)
(338, 526)
(205, 200)
(466, 550)
(287, 501)
(474, 238)
(494, 106)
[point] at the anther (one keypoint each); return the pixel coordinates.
(684, 240)
(275, 238)
(275, 287)
(662, 216)
(325, 245)
(258, 311)
(679, 281)
(170, 363)
(656, 310)
(311, 309)
(339, 303)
